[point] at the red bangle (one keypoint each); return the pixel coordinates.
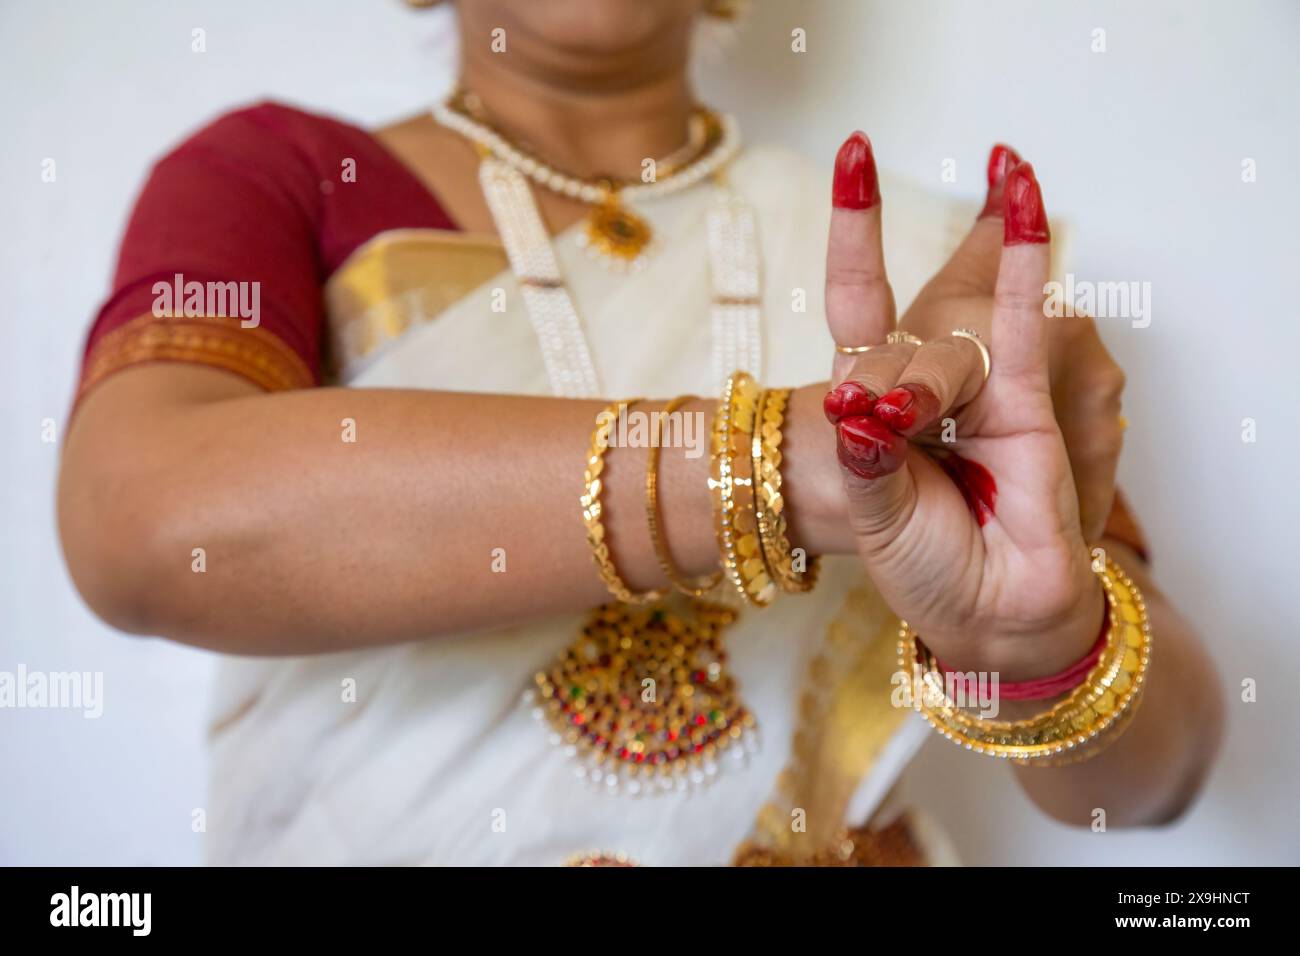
(1043, 688)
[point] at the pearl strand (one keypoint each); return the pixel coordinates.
(591, 193)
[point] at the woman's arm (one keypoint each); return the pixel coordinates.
(315, 544)
(1150, 774)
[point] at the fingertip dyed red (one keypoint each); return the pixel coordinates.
(856, 185)
(867, 447)
(848, 398)
(1002, 158)
(908, 409)
(1024, 216)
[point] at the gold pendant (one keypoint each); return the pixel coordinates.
(617, 235)
(645, 698)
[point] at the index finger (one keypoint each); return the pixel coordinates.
(859, 302)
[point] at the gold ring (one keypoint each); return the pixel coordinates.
(899, 337)
(853, 349)
(971, 335)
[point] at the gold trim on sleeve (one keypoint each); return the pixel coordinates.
(256, 354)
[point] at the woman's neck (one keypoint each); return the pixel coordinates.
(605, 127)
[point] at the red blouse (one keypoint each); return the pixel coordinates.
(269, 195)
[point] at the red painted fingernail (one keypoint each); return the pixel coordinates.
(868, 448)
(1001, 159)
(1025, 217)
(850, 398)
(855, 185)
(976, 484)
(908, 409)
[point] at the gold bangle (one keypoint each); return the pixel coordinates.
(592, 509)
(769, 503)
(730, 470)
(697, 587)
(1081, 726)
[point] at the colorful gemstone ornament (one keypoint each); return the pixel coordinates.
(644, 698)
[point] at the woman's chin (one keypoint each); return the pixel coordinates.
(600, 27)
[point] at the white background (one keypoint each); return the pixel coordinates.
(1139, 147)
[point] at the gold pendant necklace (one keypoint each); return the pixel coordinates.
(616, 232)
(613, 232)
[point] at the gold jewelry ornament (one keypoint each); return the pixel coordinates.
(732, 483)
(630, 741)
(854, 349)
(614, 232)
(971, 335)
(734, 272)
(1093, 715)
(598, 858)
(899, 337)
(592, 509)
(769, 504)
(697, 587)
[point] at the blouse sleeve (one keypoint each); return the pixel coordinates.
(219, 264)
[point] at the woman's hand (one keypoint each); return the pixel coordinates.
(1086, 382)
(971, 533)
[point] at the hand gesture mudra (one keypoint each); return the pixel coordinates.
(961, 495)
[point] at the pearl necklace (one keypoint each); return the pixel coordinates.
(733, 260)
(614, 233)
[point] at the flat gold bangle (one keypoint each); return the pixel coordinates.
(1079, 727)
(592, 510)
(769, 503)
(731, 482)
(696, 587)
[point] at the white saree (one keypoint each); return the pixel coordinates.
(437, 761)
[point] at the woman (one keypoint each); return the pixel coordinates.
(363, 483)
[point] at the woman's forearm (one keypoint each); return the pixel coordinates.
(1150, 774)
(448, 512)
